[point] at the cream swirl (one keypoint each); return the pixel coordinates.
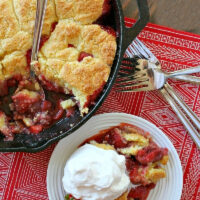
(92, 173)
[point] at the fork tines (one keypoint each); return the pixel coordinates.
(127, 66)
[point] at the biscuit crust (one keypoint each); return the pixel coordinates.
(85, 12)
(69, 31)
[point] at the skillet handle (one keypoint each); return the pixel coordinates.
(131, 33)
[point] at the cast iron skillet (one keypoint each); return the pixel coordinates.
(66, 126)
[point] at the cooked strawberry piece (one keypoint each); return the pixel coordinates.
(165, 151)
(4, 127)
(106, 7)
(91, 99)
(24, 100)
(115, 138)
(53, 26)
(70, 45)
(140, 192)
(82, 55)
(28, 57)
(150, 154)
(130, 164)
(43, 39)
(50, 86)
(3, 88)
(58, 114)
(59, 111)
(11, 82)
(17, 77)
(46, 105)
(70, 112)
(36, 128)
(135, 176)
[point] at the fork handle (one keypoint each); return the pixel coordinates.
(184, 72)
(40, 12)
(188, 78)
(194, 118)
(190, 128)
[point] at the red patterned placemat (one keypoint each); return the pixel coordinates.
(23, 175)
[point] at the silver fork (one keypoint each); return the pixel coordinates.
(138, 48)
(143, 52)
(150, 78)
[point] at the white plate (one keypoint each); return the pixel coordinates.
(169, 188)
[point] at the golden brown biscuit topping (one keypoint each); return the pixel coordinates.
(75, 57)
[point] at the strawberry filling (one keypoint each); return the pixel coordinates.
(23, 102)
(71, 46)
(141, 192)
(58, 110)
(106, 7)
(70, 112)
(36, 128)
(109, 30)
(43, 39)
(135, 169)
(150, 154)
(115, 138)
(91, 99)
(48, 85)
(29, 112)
(83, 54)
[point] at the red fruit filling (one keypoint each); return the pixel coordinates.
(46, 105)
(59, 111)
(150, 154)
(70, 112)
(70, 46)
(115, 138)
(109, 30)
(49, 85)
(91, 99)
(24, 101)
(53, 26)
(82, 55)
(31, 113)
(36, 128)
(43, 39)
(105, 12)
(106, 7)
(4, 85)
(136, 170)
(141, 192)
(28, 57)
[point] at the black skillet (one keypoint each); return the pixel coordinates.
(66, 126)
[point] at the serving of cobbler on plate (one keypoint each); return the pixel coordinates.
(77, 50)
(88, 174)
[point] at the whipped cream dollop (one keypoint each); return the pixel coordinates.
(92, 173)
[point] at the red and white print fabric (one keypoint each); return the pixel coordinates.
(23, 175)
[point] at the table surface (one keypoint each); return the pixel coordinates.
(179, 14)
(23, 175)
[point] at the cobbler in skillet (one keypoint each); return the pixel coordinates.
(75, 57)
